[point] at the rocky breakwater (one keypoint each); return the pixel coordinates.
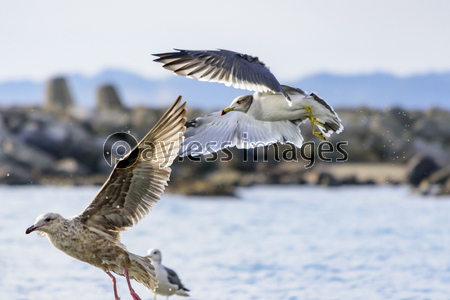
(60, 143)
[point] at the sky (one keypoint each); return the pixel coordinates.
(40, 39)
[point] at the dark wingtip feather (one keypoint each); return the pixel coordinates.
(191, 123)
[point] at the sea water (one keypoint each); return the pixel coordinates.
(277, 242)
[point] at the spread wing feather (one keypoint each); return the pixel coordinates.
(214, 132)
(138, 180)
(242, 71)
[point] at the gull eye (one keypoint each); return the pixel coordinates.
(240, 101)
(47, 219)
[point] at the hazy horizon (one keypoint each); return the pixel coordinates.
(376, 90)
(143, 75)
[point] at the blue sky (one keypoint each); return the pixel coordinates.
(40, 39)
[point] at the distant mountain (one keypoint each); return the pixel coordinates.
(21, 92)
(341, 91)
(381, 90)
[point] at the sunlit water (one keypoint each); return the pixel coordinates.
(285, 242)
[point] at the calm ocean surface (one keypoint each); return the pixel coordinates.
(280, 242)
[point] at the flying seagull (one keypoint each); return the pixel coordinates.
(133, 188)
(168, 281)
(267, 118)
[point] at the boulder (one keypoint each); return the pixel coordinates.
(58, 98)
(71, 166)
(13, 174)
(61, 139)
(445, 188)
(225, 176)
(143, 119)
(437, 183)
(17, 151)
(327, 179)
(433, 125)
(440, 176)
(202, 188)
(108, 99)
(420, 167)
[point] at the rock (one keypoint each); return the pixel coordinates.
(372, 182)
(439, 150)
(327, 179)
(70, 165)
(350, 180)
(108, 99)
(440, 176)
(15, 174)
(321, 178)
(72, 180)
(283, 172)
(61, 139)
(49, 136)
(226, 177)
(420, 167)
(249, 179)
(108, 122)
(16, 151)
(364, 144)
(445, 188)
(437, 183)
(143, 119)
(58, 98)
(203, 188)
(13, 120)
(433, 125)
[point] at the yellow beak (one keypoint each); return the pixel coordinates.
(226, 110)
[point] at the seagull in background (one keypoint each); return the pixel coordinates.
(133, 188)
(272, 114)
(168, 281)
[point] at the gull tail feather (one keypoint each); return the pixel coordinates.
(143, 271)
(182, 293)
(324, 113)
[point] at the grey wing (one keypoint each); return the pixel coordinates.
(174, 279)
(231, 68)
(214, 132)
(138, 180)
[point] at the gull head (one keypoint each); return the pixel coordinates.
(154, 255)
(47, 223)
(241, 103)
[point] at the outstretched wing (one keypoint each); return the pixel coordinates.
(242, 71)
(138, 180)
(214, 132)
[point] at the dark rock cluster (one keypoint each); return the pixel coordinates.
(60, 143)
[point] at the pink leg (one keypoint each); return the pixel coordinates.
(113, 279)
(132, 292)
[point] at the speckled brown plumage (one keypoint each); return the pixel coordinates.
(133, 188)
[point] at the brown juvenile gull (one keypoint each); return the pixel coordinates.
(133, 188)
(168, 281)
(266, 117)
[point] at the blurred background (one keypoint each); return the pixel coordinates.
(74, 73)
